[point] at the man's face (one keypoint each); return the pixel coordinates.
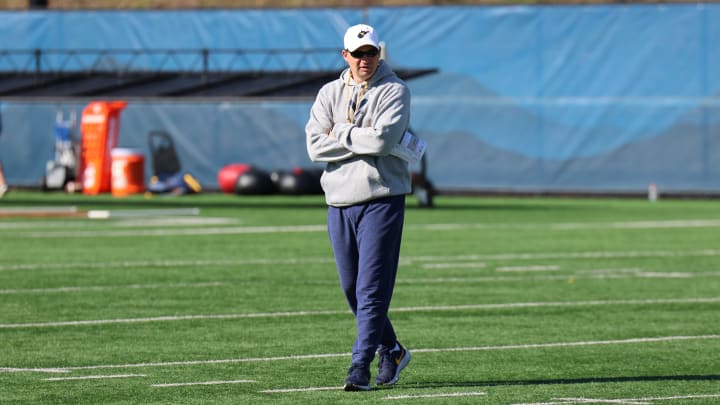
(363, 62)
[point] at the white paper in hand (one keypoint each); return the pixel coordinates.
(410, 149)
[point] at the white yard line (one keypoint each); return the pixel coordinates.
(565, 255)
(94, 377)
(114, 233)
(511, 305)
(438, 395)
(35, 370)
(659, 301)
(564, 277)
(665, 274)
(307, 389)
(454, 265)
(610, 270)
(680, 223)
(567, 344)
(697, 396)
(493, 279)
(625, 401)
(333, 355)
(528, 268)
(188, 362)
(405, 260)
(187, 384)
(121, 222)
(571, 226)
(107, 287)
(163, 264)
(690, 223)
(580, 274)
(591, 401)
(170, 318)
(602, 401)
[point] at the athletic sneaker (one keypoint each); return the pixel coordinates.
(358, 378)
(391, 364)
(3, 190)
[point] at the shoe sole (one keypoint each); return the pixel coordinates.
(403, 363)
(355, 387)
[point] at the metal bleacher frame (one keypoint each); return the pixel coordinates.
(175, 73)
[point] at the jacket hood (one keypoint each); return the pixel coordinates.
(383, 70)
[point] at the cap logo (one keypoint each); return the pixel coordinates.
(362, 34)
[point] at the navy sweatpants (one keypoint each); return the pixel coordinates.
(366, 242)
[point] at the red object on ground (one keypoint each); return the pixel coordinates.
(228, 176)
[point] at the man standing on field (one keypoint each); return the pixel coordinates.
(354, 124)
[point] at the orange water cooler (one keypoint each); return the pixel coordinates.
(99, 128)
(128, 172)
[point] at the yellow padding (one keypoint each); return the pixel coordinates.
(192, 182)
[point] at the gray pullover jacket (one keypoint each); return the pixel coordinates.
(359, 167)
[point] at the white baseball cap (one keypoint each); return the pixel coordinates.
(359, 35)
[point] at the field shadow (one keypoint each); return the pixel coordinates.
(563, 381)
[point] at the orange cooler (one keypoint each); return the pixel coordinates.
(128, 172)
(99, 127)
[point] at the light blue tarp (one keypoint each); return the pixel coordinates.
(542, 98)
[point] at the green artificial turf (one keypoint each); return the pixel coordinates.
(500, 300)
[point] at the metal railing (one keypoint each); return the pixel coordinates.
(205, 60)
